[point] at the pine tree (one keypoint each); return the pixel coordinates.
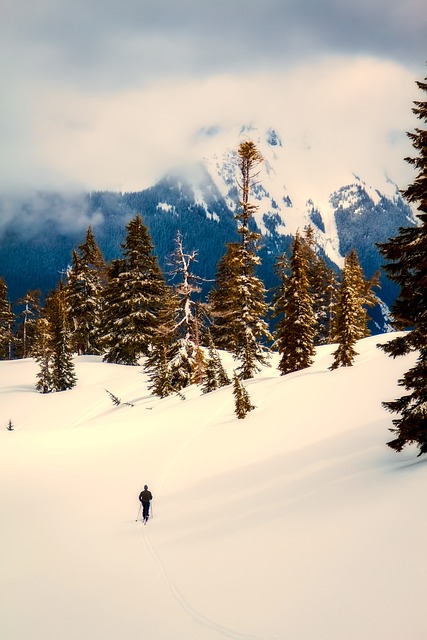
(407, 253)
(242, 402)
(53, 349)
(237, 302)
(6, 323)
(323, 289)
(294, 334)
(25, 335)
(160, 363)
(62, 366)
(215, 375)
(43, 355)
(85, 282)
(351, 320)
(132, 298)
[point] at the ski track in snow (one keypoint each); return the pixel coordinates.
(195, 615)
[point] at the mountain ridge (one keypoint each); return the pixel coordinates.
(200, 200)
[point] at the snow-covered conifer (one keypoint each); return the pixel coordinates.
(85, 282)
(237, 302)
(294, 333)
(351, 321)
(242, 402)
(6, 323)
(407, 266)
(25, 334)
(215, 375)
(53, 349)
(132, 298)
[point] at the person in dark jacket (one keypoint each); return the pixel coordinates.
(145, 498)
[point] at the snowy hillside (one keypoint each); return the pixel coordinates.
(293, 190)
(297, 522)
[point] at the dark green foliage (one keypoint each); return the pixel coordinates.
(9, 425)
(351, 322)
(43, 354)
(25, 335)
(242, 402)
(85, 282)
(132, 299)
(294, 335)
(323, 289)
(407, 253)
(6, 323)
(215, 375)
(53, 348)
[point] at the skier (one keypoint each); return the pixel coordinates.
(145, 497)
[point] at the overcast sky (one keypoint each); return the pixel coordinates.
(106, 95)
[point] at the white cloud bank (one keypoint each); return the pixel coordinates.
(351, 112)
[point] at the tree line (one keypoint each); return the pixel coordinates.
(128, 313)
(126, 310)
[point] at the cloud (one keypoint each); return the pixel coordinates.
(101, 94)
(350, 112)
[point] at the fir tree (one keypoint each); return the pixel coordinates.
(133, 298)
(161, 359)
(407, 253)
(215, 375)
(323, 289)
(85, 282)
(10, 425)
(6, 323)
(53, 349)
(242, 402)
(62, 366)
(25, 335)
(294, 334)
(351, 320)
(237, 302)
(43, 355)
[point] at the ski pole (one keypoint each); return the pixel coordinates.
(137, 517)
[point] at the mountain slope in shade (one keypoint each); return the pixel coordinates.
(292, 190)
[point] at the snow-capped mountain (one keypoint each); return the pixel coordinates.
(291, 191)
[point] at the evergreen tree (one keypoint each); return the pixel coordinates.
(25, 334)
(323, 289)
(242, 402)
(351, 320)
(53, 348)
(62, 366)
(6, 323)
(294, 334)
(161, 361)
(215, 375)
(85, 282)
(237, 302)
(43, 355)
(407, 253)
(133, 298)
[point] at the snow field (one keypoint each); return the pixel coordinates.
(297, 522)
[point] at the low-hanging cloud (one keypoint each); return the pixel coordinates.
(105, 95)
(352, 113)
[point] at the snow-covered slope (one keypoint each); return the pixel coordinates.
(292, 189)
(297, 522)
